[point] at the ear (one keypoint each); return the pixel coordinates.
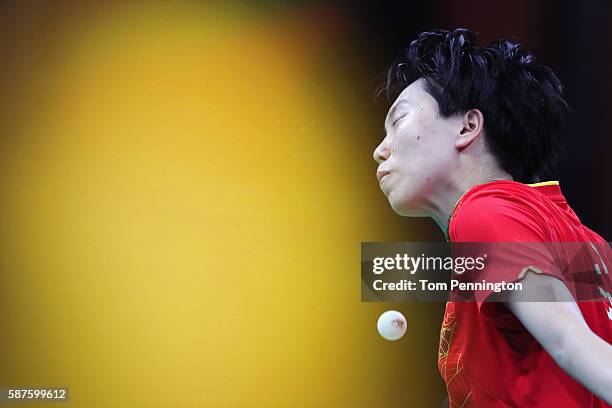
(472, 126)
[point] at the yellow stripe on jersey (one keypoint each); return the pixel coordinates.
(544, 183)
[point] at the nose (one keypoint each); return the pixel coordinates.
(381, 153)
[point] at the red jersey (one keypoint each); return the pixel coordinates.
(486, 357)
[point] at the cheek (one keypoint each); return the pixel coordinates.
(412, 136)
(410, 155)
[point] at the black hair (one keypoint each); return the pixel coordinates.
(522, 102)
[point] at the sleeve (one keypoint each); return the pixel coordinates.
(512, 237)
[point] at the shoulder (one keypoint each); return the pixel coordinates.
(501, 211)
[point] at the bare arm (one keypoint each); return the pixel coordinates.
(562, 331)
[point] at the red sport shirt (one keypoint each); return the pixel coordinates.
(486, 357)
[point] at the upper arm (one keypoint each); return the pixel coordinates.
(562, 331)
(549, 321)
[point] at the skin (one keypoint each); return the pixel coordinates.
(431, 161)
(427, 162)
(562, 331)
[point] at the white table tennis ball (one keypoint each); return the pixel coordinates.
(392, 325)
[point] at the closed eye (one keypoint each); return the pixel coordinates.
(398, 119)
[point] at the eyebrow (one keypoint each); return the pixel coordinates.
(398, 105)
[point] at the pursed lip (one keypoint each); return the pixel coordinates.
(380, 174)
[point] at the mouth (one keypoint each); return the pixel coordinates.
(381, 174)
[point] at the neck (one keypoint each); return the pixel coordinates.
(443, 200)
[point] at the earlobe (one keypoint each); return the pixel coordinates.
(471, 127)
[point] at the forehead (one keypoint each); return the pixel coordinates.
(413, 95)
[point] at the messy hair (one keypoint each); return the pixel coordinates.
(522, 102)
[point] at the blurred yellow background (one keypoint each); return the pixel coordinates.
(185, 189)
